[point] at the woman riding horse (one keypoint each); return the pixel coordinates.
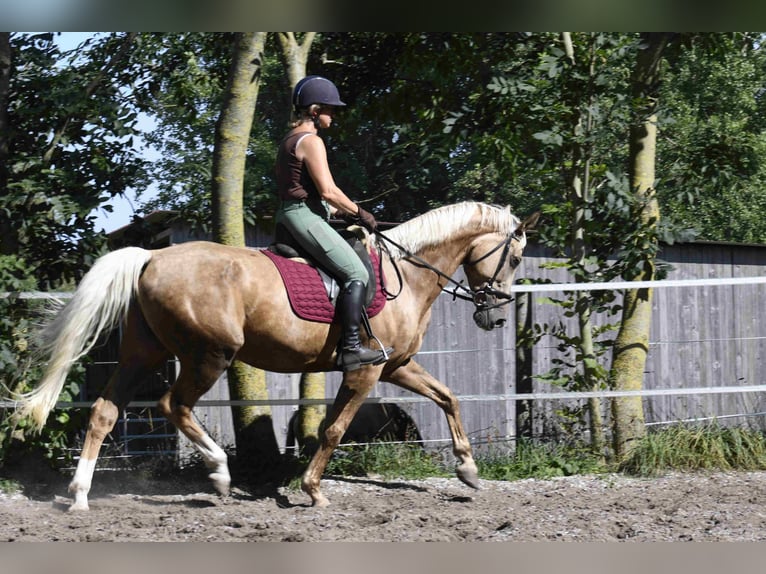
(308, 197)
(162, 298)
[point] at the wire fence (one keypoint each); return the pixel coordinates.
(504, 397)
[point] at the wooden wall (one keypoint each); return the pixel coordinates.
(701, 337)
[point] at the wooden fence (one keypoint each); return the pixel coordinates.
(703, 336)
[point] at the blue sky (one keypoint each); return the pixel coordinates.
(124, 207)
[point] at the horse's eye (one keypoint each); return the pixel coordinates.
(515, 261)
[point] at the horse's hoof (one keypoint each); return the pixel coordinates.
(319, 501)
(468, 474)
(221, 482)
(79, 507)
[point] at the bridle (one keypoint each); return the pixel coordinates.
(483, 295)
(479, 297)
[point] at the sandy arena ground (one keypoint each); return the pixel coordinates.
(127, 507)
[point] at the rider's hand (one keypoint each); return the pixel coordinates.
(366, 219)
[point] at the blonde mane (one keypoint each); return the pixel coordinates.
(442, 223)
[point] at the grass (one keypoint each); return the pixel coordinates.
(696, 447)
(539, 460)
(9, 486)
(408, 462)
(679, 447)
(389, 461)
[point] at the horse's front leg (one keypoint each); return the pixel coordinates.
(351, 394)
(415, 378)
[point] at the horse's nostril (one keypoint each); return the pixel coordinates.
(500, 323)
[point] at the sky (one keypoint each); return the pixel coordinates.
(124, 207)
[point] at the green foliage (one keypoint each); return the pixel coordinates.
(69, 150)
(696, 447)
(186, 102)
(432, 118)
(8, 486)
(53, 442)
(712, 149)
(19, 369)
(386, 460)
(442, 117)
(534, 460)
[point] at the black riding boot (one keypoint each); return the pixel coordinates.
(352, 354)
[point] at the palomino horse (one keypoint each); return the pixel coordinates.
(208, 304)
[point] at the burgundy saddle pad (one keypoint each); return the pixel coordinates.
(307, 293)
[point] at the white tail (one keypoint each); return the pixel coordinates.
(100, 302)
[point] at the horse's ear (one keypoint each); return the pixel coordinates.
(528, 223)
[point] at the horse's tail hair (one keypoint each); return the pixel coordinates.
(100, 302)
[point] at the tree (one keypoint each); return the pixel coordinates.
(712, 156)
(66, 129)
(5, 86)
(579, 188)
(432, 118)
(632, 343)
(295, 54)
(253, 425)
(53, 183)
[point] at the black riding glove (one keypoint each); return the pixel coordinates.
(363, 218)
(367, 219)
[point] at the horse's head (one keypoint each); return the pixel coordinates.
(490, 267)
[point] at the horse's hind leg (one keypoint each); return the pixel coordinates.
(140, 355)
(195, 379)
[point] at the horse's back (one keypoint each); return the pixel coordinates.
(205, 287)
(204, 261)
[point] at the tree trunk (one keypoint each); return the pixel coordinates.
(312, 385)
(579, 190)
(296, 54)
(632, 343)
(524, 408)
(310, 417)
(253, 425)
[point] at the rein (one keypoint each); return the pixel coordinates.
(478, 297)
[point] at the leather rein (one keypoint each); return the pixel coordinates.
(479, 297)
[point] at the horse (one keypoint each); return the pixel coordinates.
(208, 304)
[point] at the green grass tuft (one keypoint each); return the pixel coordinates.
(538, 460)
(696, 447)
(389, 461)
(9, 486)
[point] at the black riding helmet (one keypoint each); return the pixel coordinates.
(315, 90)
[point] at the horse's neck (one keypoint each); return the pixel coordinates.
(446, 259)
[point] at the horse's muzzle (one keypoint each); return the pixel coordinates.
(489, 319)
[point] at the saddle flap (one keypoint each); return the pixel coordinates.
(285, 245)
(307, 294)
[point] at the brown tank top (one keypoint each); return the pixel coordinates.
(293, 179)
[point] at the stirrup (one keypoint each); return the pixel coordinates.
(351, 359)
(368, 327)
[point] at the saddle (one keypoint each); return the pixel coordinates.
(311, 290)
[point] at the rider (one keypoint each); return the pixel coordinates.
(309, 196)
